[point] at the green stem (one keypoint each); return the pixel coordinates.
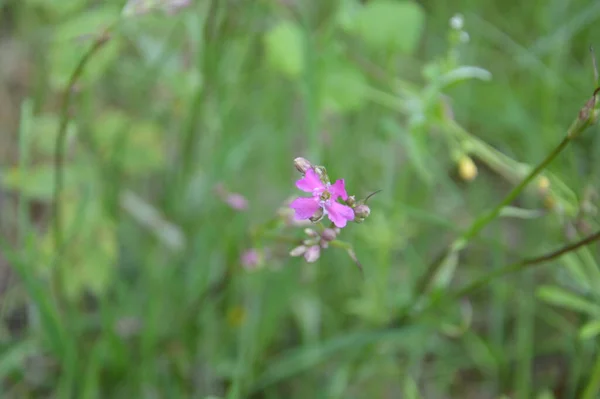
(593, 386)
(503, 271)
(525, 263)
(485, 219)
(61, 137)
(582, 122)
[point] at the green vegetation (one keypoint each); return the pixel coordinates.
(147, 159)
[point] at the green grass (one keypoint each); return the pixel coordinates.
(138, 290)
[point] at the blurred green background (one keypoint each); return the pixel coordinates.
(177, 147)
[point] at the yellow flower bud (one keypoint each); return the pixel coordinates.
(543, 184)
(467, 169)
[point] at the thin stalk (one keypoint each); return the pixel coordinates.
(501, 272)
(579, 125)
(524, 264)
(593, 386)
(59, 153)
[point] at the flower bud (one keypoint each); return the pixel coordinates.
(328, 235)
(457, 22)
(543, 185)
(311, 233)
(237, 201)
(312, 254)
(467, 168)
(251, 259)
(322, 173)
(302, 165)
(309, 243)
(351, 201)
(298, 251)
(362, 211)
(317, 216)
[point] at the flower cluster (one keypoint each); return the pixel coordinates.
(324, 200)
(311, 247)
(324, 197)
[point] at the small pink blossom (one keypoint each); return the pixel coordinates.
(312, 254)
(250, 259)
(324, 196)
(234, 200)
(237, 201)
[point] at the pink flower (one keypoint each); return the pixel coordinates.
(237, 201)
(250, 259)
(234, 200)
(323, 196)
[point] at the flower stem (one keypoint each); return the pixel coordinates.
(524, 264)
(59, 152)
(581, 123)
(500, 272)
(485, 219)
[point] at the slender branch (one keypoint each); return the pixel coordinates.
(487, 278)
(61, 137)
(59, 156)
(485, 219)
(581, 123)
(525, 264)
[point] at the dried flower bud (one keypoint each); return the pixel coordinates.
(328, 235)
(362, 211)
(311, 233)
(302, 165)
(322, 173)
(317, 216)
(312, 254)
(351, 201)
(298, 251)
(467, 168)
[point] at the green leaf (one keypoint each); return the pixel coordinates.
(71, 41)
(14, 357)
(60, 7)
(343, 88)
(465, 73)
(305, 358)
(38, 182)
(285, 50)
(411, 390)
(91, 248)
(136, 146)
(45, 130)
(416, 147)
(590, 330)
(387, 25)
(547, 394)
(565, 299)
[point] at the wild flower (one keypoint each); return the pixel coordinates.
(324, 199)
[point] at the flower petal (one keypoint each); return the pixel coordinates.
(338, 189)
(305, 207)
(339, 214)
(310, 182)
